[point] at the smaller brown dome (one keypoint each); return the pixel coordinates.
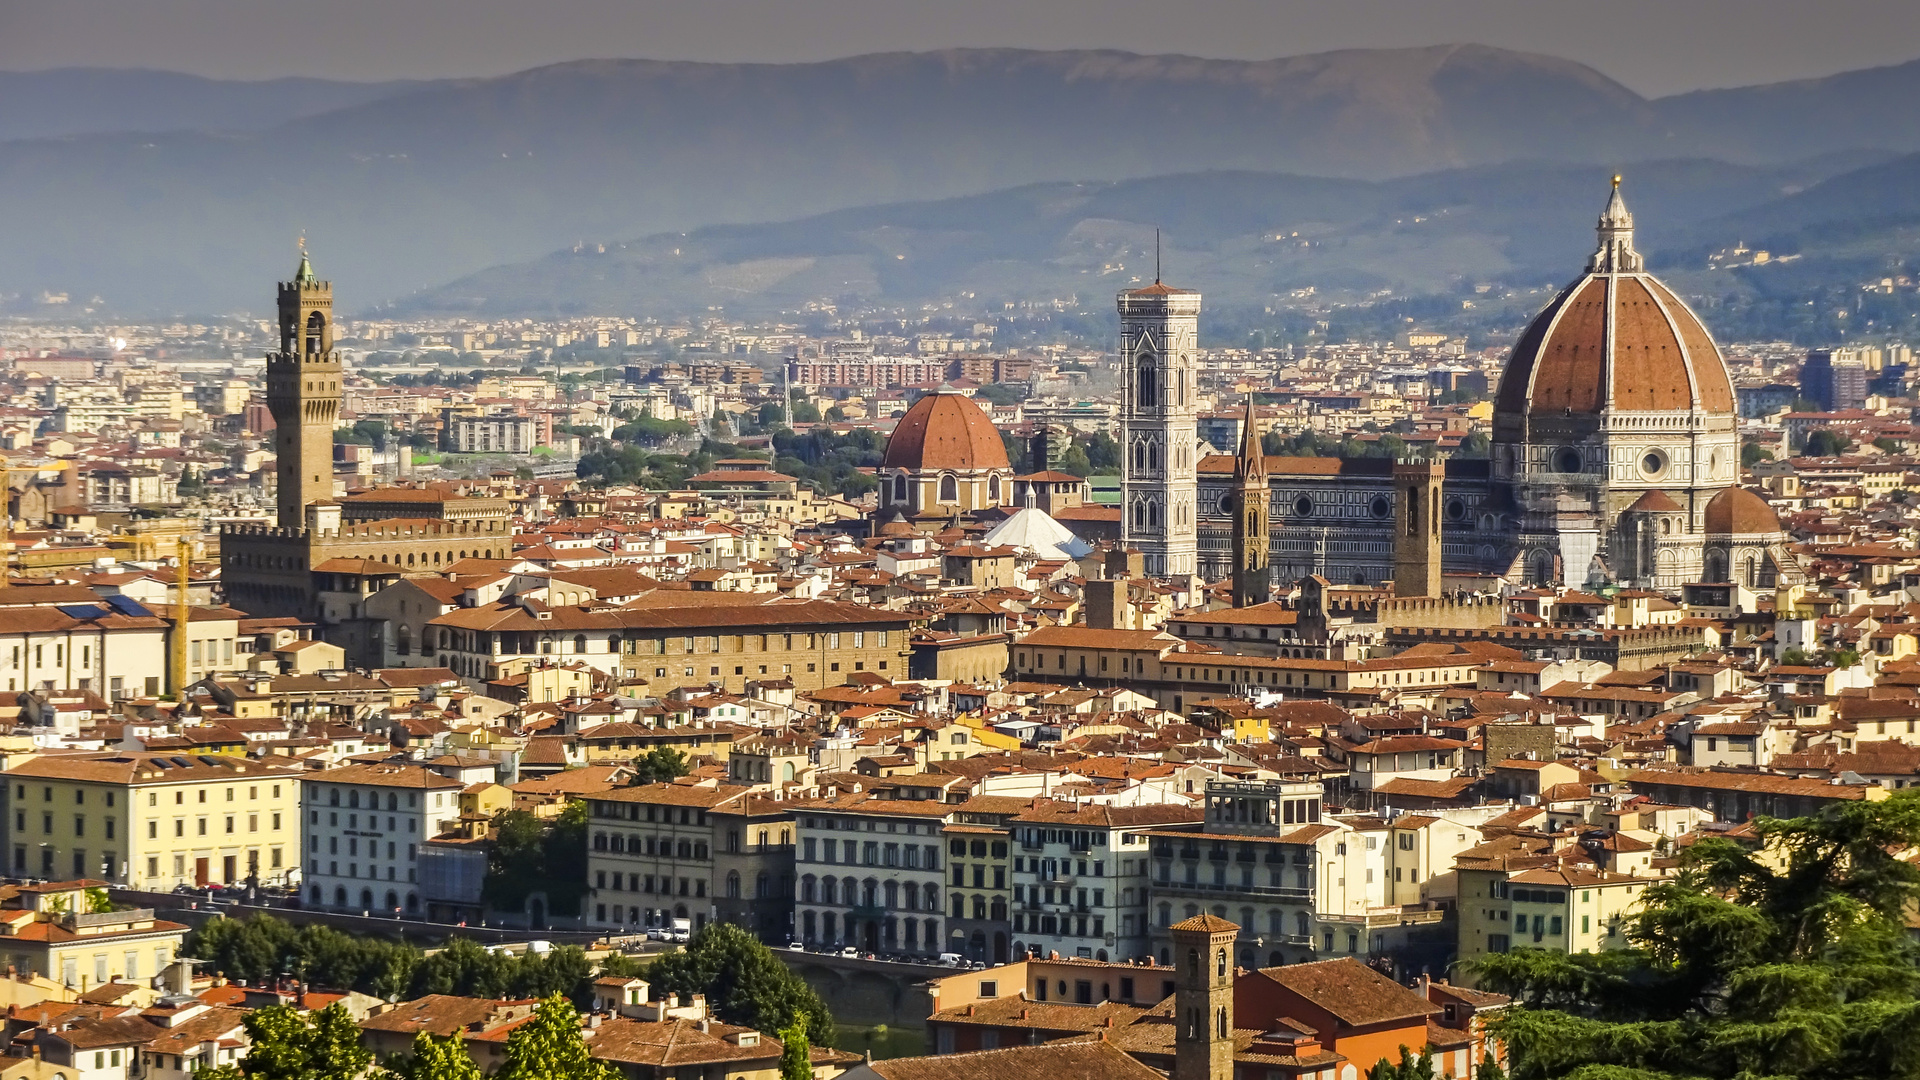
(1737, 511)
(945, 430)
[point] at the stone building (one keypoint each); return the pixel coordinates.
(319, 544)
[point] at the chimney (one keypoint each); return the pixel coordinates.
(1023, 1013)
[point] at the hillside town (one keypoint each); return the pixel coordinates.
(1209, 712)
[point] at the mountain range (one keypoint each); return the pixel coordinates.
(163, 193)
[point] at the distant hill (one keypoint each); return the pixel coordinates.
(409, 187)
(64, 102)
(1243, 238)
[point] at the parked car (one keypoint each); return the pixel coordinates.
(850, 952)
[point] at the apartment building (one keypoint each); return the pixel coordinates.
(753, 851)
(870, 873)
(154, 820)
(1255, 859)
(980, 878)
(363, 830)
(650, 854)
(492, 435)
(1507, 904)
(1081, 874)
(814, 643)
(49, 929)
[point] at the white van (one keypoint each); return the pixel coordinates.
(951, 959)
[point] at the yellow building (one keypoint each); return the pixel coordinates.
(1562, 910)
(154, 820)
(50, 930)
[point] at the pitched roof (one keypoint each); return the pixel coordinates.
(1354, 993)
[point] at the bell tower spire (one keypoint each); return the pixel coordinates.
(1252, 517)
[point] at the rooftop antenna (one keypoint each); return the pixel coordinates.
(1156, 256)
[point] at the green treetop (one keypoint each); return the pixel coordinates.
(288, 1044)
(1788, 958)
(550, 1047)
(744, 983)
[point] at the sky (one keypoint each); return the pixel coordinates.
(1655, 47)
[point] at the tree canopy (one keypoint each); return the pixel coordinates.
(260, 947)
(550, 1047)
(744, 983)
(1786, 958)
(529, 856)
(288, 1044)
(661, 765)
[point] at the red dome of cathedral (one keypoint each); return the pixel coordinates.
(945, 430)
(1737, 512)
(1617, 339)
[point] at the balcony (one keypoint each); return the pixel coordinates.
(1276, 892)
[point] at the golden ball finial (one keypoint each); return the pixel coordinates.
(1616, 179)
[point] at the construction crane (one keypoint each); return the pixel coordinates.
(182, 617)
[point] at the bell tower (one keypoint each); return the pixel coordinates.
(303, 393)
(1159, 326)
(1252, 515)
(1416, 534)
(1203, 998)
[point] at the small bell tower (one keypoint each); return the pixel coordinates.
(1203, 998)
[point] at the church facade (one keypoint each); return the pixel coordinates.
(1615, 457)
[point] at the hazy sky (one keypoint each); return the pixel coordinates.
(1654, 46)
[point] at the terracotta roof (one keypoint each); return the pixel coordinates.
(1352, 992)
(1089, 1060)
(945, 430)
(1206, 924)
(1737, 510)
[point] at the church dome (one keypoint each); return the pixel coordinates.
(1739, 512)
(1617, 338)
(945, 430)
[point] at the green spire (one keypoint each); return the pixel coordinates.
(305, 273)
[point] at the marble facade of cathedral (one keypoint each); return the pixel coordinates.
(1615, 457)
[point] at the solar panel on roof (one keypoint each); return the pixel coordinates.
(163, 763)
(183, 763)
(82, 611)
(127, 605)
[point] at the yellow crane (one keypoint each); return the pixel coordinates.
(182, 619)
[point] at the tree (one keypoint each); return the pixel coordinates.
(796, 1054)
(1752, 453)
(288, 1045)
(744, 983)
(1408, 1067)
(530, 856)
(436, 1059)
(1785, 957)
(661, 765)
(549, 1047)
(1824, 443)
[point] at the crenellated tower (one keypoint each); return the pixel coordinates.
(303, 393)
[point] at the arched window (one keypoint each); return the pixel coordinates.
(993, 489)
(808, 887)
(1146, 382)
(316, 333)
(949, 490)
(900, 488)
(403, 640)
(1193, 963)
(1751, 571)
(733, 885)
(1220, 964)
(1222, 1023)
